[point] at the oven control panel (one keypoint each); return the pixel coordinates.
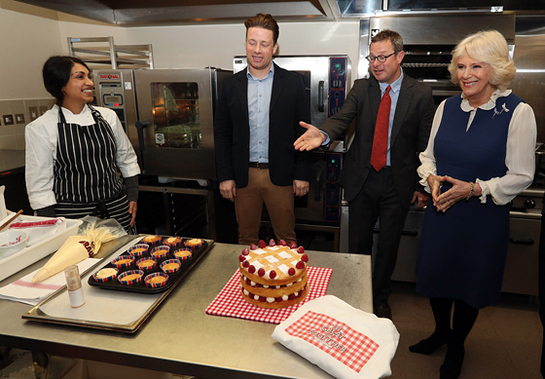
(332, 196)
(337, 84)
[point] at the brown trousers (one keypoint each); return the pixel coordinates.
(249, 205)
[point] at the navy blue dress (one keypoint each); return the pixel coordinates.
(462, 251)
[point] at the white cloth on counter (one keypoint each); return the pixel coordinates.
(40, 230)
(342, 340)
(24, 291)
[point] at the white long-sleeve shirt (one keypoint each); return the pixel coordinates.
(519, 157)
(41, 151)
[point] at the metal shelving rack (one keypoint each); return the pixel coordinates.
(101, 52)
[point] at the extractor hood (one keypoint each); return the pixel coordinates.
(148, 12)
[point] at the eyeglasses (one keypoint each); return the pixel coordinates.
(380, 58)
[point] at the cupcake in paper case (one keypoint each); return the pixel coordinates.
(146, 263)
(173, 242)
(138, 250)
(151, 240)
(105, 275)
(128, 278)
(194, 243)
(160, 251)
(183, 254)
(170, 266)
(157, 279)
(123, 261)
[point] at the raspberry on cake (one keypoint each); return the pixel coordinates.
(273, 276)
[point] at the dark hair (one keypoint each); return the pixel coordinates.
(392, 36)
(56, 74)
(265, 21)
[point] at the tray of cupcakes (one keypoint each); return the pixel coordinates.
(152, 265)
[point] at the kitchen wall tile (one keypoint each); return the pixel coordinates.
(16, 106)
(8, 142)
(20, 139)
(4, 109)
(12, 137)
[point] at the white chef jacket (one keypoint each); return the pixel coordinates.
(41, 151)
(519, 157)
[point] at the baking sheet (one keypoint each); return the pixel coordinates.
(141, 287)
(109, 310)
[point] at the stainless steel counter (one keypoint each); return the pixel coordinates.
(181, 338)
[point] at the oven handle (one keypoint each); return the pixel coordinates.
(321, 85)
(140, 126)
(409, 233)
(529, 241)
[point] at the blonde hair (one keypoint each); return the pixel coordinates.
(488, 47)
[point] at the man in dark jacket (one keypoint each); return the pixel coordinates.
(257, 120)
(393, 115)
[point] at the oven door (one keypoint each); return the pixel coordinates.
(322, 204)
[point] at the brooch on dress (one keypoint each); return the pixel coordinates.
(503, 108)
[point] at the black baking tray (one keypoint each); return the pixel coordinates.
(141, 287)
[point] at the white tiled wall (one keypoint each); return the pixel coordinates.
(20, 113)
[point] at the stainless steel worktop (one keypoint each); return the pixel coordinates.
(180, 338)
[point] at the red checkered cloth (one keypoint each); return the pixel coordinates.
(230, 302)
(348, 346)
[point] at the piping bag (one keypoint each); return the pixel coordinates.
(3, 210)
(81, 246)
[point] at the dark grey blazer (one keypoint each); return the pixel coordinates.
(289, 105)
(410, 133)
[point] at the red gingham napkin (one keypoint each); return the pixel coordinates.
(354, 349)
(230, 302)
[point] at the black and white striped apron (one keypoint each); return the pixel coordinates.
(86, 181)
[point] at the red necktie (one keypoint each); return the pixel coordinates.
(380, 141)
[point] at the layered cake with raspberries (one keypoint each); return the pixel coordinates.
(274, 276)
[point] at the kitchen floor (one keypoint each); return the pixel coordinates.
(505, 342)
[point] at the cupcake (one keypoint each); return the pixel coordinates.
(105, 275)
(173, 242)
(146, 263)
(194, 243)
(161, 251)
(157, 279)
(151, 240)
(123, 261)
(183, 254)
(171, 266)
(128, 278)
(138, 250)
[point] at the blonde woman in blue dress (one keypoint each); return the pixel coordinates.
(480, 155)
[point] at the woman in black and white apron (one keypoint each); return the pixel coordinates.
(75, 152)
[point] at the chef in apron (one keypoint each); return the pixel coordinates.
(79, 160)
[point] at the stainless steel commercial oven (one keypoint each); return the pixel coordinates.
(428, 42)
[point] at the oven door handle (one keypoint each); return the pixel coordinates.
(515, 241)
(405, 232)
(321, 96)
(140, 126)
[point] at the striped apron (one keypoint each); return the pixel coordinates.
(86, 181)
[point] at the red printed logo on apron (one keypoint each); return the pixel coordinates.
(348, 346)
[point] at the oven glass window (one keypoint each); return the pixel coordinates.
(176, 115)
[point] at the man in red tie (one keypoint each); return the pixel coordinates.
(393, 115)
